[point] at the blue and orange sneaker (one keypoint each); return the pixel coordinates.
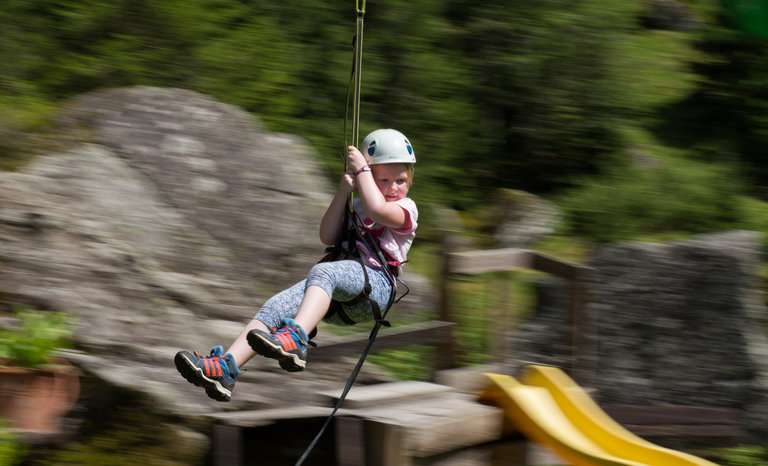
(287, 343)
(216, 373)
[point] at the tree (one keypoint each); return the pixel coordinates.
(724, 120)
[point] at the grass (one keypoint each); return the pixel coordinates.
(23, 122)
(742, 455)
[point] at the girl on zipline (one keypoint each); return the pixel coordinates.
(279, 329)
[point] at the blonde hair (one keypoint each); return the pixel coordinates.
(408, 170)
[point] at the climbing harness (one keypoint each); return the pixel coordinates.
(346, 247)
(353, 233)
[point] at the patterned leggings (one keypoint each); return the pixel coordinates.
(342, 280)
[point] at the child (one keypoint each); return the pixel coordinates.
(279, 329)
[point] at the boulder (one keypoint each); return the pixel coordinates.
(678, 323)
(522, 218)
(162, 220)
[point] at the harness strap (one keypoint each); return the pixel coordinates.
(337, 307)
(373, 246)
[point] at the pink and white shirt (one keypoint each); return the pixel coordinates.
(394, 242)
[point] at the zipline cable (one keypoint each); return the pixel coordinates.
(358, 68)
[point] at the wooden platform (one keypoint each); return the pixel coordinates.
(389, 424)
(398, 421)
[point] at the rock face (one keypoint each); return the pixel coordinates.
(166, 230)
(679, 323)
(256, 192)
(522, 218)
(668, 310)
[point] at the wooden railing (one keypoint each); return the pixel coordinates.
(510, 259)
(430, 333)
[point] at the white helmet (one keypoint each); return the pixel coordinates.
(388, 146)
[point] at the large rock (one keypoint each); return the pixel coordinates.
(522, 218)
(678, 323)
(163, 223)
(261, 194)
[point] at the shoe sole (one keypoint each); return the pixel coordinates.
(197, 377)
(288, 361)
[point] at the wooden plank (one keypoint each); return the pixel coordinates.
(266, 417)
(431, 426)
(686, 430)
(492, 260)
(556, 267)
(508, 259)
(426, 333)
(671, 414)
(375, 395)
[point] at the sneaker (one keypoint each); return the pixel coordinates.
(216, 373)
(287, 344)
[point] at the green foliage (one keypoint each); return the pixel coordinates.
(485, 307)
(32, 342)
(541, 79)
(530, 95)
(724, 118)
(665, 197)
(750, 16)
(742, 455)
(412, 363)
(125, 437)
(492, 95)
(19, 115)
(11, 448)
(755, 215)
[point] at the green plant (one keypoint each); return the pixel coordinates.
(411, 363)
(124, 436)
(742, 455)
(667, 196)
(11, 450)
(32, 341)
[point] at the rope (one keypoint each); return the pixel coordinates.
(379, 321)
(357, 75)
(348, 386)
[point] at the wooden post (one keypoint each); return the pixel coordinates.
(496, 260)
(583, 330)
(445, 352)
(350, 441)
(387, 444)
(227, 445)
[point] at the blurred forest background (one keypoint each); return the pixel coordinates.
(640, 119)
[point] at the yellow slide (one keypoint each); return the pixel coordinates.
(552, 410)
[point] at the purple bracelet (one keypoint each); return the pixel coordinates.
(363, 169)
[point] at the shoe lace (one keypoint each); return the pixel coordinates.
(294, 332)
(217, 354)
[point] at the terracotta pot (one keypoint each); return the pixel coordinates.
(37, 399)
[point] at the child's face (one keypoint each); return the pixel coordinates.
(392, 180)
